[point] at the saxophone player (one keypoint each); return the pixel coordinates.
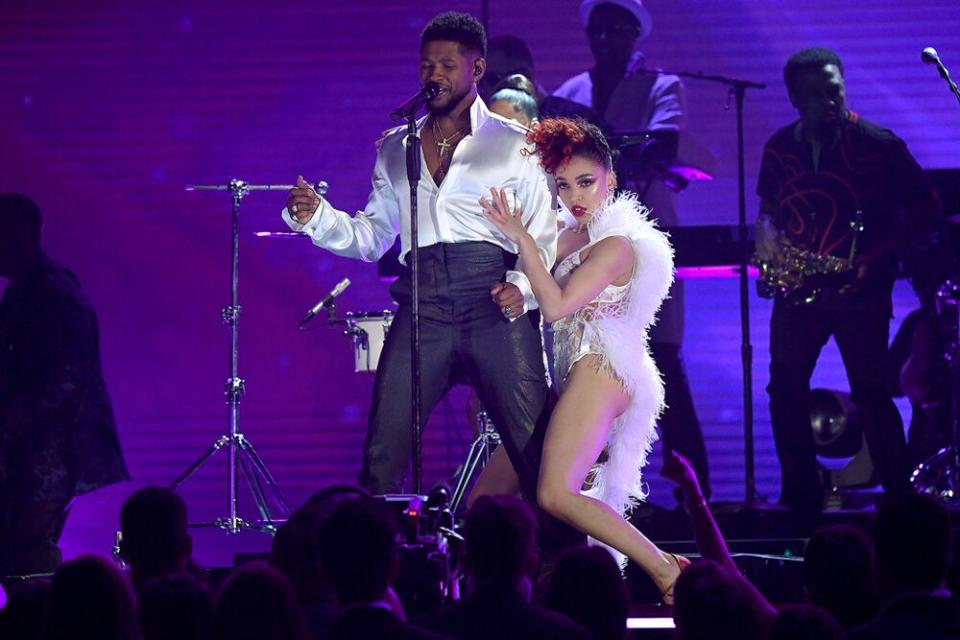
(834, 186)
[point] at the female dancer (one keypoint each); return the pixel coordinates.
(614, 268)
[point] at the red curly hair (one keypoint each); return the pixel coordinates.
(556, 140)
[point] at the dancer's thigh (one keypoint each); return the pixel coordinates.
(592, 398)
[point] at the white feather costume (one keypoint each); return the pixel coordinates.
(614, 326)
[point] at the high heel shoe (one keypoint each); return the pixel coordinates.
(667, 594)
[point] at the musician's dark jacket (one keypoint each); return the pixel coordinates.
(58, 436)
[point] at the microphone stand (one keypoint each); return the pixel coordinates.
(407, 111)
(737, 90)
(413, 177)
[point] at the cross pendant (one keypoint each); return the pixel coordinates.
(442, 147)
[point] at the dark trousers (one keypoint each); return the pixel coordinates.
(679, 426)
(797, 335)
(463, 334)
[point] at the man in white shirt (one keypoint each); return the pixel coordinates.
(477, 312)
(628, 100)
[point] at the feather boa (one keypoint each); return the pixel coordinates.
(624, 337)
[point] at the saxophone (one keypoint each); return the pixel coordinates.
(802, 275)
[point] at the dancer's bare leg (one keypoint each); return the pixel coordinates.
(578, 431)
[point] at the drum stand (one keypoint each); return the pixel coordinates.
(241, 456)
(478, 456)
(939, 475)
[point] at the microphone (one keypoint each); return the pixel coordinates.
(326, 301)
(414, 103)
(930, 56)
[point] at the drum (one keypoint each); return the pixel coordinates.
(369, 331)
(947, 300)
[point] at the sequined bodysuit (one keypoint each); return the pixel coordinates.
(577, 335)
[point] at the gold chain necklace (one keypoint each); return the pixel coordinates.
(445, 144)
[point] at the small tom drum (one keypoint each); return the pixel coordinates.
(369, 331)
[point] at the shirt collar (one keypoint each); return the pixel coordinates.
(479, 114)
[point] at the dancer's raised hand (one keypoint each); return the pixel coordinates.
(497, 210)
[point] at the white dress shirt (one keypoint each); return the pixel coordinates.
(490, 156)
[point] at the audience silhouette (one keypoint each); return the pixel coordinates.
(258, 603)
(357, 545)
(838, 574)
(712, 602)
(588, 588)
(89, 599)
(913, 541)
(500, 559)
(804, 622)
(333, 563)
(176, 605)
(154, 537)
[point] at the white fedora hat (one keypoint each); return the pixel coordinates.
(633, 6)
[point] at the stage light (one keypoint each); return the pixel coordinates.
(650, 623)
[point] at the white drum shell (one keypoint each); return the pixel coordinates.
(368, 331)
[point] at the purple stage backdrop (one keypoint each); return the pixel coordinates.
(107, 109)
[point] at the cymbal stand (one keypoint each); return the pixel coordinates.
(477, 457)
(241, 456)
